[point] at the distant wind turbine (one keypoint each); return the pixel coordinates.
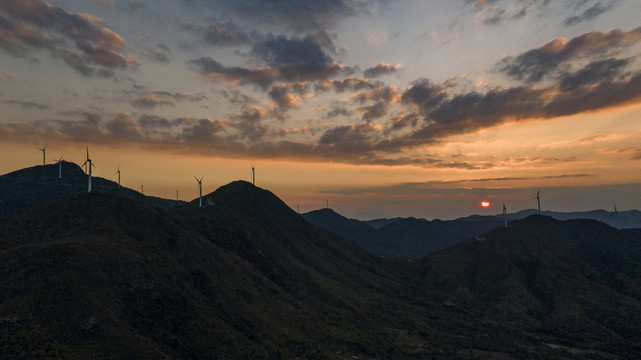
(616, 215)
(59, 162)
(142, 189)
(88, 166)
(200, 191)
(538, 199)
(253, 175)
(118, 173)
(43, 154)
(505, 215)
(176, 194)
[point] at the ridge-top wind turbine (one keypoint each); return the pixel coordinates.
(43, 154)
(59, 162)
(200, 191)
(118, 173)
(88, 164)
(253, 175)
(538, 199)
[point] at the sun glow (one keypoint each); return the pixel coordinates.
(485, 204)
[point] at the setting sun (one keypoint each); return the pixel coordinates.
(485, 204)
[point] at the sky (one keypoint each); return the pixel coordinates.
(379, 108)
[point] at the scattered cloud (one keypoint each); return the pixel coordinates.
(27, 104)
(80, 40)
(380, 69)
(589, 14)
(533, 65)
(150, 102)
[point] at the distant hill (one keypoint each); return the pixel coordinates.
(574, 284)
(407, 237)
(22, 189)
(629, 219)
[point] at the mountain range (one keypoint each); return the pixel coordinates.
(412, 237)
(109, 274)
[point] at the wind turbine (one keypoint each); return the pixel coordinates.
(118, 173)
(538, 198)
(505, 214)
(43, 154)
(176, 194)
(253, 175)
(59, 162)
(88, 166)
(142, 189)
(200, 191)
(616, 214)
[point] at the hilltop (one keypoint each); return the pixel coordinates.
(25, 188)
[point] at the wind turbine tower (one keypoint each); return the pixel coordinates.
(88, 165)
(200, 191)
(60, 167)
(253, 175)
(616, 214)
(505, 215)
(538, 199)
(43, 154)
(118, 173)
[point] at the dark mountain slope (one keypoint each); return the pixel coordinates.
(99, 276)
(22, 189)
(356, 231)
(113, 278)
(629, 219)
(575, 283)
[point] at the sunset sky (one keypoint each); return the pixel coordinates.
(381, 107)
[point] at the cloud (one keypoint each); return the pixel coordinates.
(287, 59)
(533, 65)
(78, 39)
(589, 14)
(349, 83)
(225, 34)
(292, 14)
(593, 73)
(287, 96)
(380, 69)
(28, 104)
(338, 111)
(159, 53)
(150, 102)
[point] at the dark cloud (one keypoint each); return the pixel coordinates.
(78, 39)
(349, 139)
(349, 83)
(150, 102)
(250, 122)
(589, 14)
(181, 96)
(238, 98)
(124, 128)
(374, 111)
(593, 73)
(288, 59)
(338, 111)
(27, 104)
(534, 65)
(225, 34)
(287, 96)
(425, 95)
(380, 69)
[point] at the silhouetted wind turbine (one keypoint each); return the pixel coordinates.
(538, 199)
(176, 194)
(505, 214)
(118, 173)
(142, 189)
(253, 175)
(59, 162)
(43, 154)
(200, 191)
(88, 165)
(616, 214)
